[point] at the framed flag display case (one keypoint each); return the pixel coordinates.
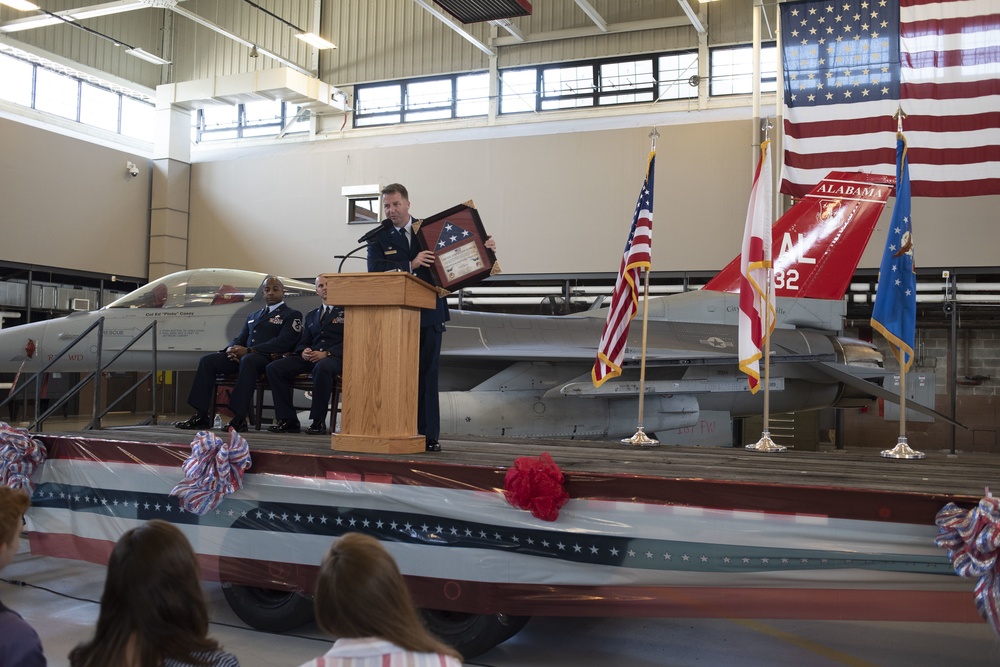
(457, 237)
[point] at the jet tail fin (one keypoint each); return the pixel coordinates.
(817, 244)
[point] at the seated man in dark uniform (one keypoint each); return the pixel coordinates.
(268, 334)
(320, 353)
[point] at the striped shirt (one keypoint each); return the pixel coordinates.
(215, 659)
(375, 652)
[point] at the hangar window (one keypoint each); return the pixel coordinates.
(606, 82)
(34, 82)
(731, 70)
(17, 80)
(261, 118)
(437, 98)
(676, 70)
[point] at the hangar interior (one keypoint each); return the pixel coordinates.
(154, 136)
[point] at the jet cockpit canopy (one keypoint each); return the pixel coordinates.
(206, 287)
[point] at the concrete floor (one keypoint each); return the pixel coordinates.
(60, 601)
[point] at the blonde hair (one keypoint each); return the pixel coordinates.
(13, 504)
(361, 593)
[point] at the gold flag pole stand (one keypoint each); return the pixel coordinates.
(640, 439)
(765, 444)
(902, 449)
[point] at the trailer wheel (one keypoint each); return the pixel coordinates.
(268, 609)
(472, 634)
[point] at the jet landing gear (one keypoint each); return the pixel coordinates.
(268, 609)
(272, 610)
(472, 634)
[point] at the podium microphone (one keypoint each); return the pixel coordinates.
(373, 232)
(390, 266)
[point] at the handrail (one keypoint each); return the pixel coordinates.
(97, 417)
(99, 324)
(100, 367)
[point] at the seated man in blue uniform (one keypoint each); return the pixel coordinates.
(320, 353)
(268, 334)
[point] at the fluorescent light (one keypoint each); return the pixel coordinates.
(316, 40)
(20, 5)
(148, 57)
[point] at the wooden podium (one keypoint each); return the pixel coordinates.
(381, 350)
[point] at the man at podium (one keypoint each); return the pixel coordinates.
(394, 247)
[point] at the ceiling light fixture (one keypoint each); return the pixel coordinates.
(147, 56)
(315, 40)
(308, 37)
(254, 53)
(20, 5)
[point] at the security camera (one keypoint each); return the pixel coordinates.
(133, 171)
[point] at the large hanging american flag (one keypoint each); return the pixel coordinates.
(849, 64)
(625, 299)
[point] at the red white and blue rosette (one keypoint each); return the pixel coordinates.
(972, 538)
(213, 470)
(20, 454)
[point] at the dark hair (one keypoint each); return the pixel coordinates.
(13, 504)
(360, 593)
(153, 607)
(398, 189)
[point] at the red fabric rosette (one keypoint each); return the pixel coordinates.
(536, 485)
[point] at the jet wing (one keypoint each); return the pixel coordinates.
(843, 374)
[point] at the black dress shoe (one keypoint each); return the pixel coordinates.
(196, 422)
(433, 446)
(238, 424)
(317, 428)
(285, 426)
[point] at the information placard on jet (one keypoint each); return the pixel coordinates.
(457, 237)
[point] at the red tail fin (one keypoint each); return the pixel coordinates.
(818, 243)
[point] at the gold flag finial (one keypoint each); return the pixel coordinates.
(899, 116)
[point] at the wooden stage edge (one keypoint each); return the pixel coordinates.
(940, 473)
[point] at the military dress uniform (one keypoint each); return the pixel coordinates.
(323, 332)
(391, 250)
(267, 334)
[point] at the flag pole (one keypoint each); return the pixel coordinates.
(765, 444)
(640, 439)
(902, 449)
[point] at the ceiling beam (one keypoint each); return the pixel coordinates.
(692, 16)
(594, 15)
(454, 26)
(511, 29)
(613, 28)
(236, 38)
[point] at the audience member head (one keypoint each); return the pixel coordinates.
(13, 504)
(361, 593)
(153, 606)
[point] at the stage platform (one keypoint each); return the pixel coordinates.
(939, 474)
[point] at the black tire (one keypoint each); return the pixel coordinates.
(472, 634)
(268, 609)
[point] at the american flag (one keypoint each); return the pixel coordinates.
(625, 299)
(894, 314)
(756, 275)
(849, 64)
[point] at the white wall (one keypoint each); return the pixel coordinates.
(556, 203)
(68, 203)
